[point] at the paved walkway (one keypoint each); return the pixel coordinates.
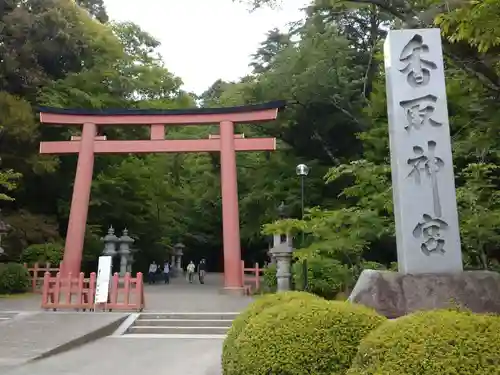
(132, 357)
(30, 335)
(181, 296)
(117, 354)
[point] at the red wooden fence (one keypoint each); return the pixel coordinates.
(37, 273)
(251, 277)
(78, 293)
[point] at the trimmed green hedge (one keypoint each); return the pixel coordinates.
(14, 278)
(432, 343)
(302, 337)
(262, 303)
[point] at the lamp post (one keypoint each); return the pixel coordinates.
(302, 170)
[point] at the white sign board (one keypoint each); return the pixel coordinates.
(425, 208)
(103, 278)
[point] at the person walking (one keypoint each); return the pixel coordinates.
(166, 272)
(153, 267)
(202, 269)
(191, 268)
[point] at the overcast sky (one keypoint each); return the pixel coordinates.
(204, 40)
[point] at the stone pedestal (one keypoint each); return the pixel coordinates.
(177, 258)
(178, 263)
(283, 255)
(395, 294)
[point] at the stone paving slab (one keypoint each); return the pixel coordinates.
(181, 296)
(131, 356)
(28, 302)
(31, 335)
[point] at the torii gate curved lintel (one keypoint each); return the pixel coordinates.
(226, 142)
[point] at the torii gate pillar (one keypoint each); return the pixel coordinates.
(80, 200)
(230, 209)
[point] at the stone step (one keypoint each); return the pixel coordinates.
(179, 325)
(225, 323)
(178, 330)
(188, 316)
(7, 316)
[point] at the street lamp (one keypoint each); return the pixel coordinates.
(302, 170)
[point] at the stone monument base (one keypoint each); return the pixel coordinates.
(394, 294)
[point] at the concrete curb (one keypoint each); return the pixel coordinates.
(126, 324)
(104, 331)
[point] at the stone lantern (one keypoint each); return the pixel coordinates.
(4, 229)
(282, 210)
(125, 252)
(281, 253)
(178, 253)
(282, 214)
(110, 241)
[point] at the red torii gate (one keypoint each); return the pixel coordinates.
(226, 142)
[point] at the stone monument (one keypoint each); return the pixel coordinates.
(427, 231)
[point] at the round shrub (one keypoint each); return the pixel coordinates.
(254, 309)
(432, 343)
(14, 278)
(303, 337)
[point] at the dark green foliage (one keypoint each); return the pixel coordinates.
(326, 277)
(43, 253)
(14, 278)
(432, 343)
(302, 337)
(270, 280)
